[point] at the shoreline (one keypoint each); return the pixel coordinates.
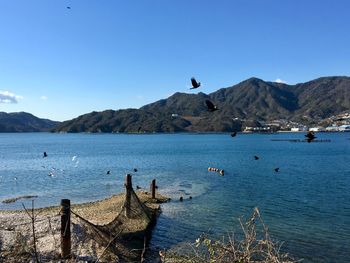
(15, 225)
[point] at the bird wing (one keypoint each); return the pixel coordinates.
(194, 82)
(210, 105)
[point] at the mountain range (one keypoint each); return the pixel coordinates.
(244, 104)
(240, 105)
(24, 122)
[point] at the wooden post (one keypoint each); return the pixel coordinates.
(153, 188)
(128, 189)
(65, 229)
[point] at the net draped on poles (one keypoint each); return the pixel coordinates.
(134, 217)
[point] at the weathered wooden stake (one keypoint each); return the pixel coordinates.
(65, 229)
(128, 188)
(153, 188)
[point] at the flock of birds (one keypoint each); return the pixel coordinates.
(310, 136)
(74, 159)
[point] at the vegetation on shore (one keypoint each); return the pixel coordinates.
(252, 244)
(256, 245)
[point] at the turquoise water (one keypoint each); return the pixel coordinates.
(306, 204)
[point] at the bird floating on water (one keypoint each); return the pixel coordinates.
(277, 169)
(310, 136)
(108, 172)
(233, 134)
(256, 157)
(135, 170)
(220, 171)
(195, 84)
(45, 155)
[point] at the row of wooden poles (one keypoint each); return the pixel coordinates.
(66, 215)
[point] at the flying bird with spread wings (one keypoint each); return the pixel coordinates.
(211, 106)
(195, 84)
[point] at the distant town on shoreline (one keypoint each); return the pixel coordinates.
(337, 123)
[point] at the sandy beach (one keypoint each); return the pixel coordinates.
(16, 232)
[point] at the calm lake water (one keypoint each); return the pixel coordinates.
(306, 204)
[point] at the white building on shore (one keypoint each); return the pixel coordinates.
(299, 129)
(344, 128)
(332, 129)
(317, 129)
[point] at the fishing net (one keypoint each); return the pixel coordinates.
(127, 229)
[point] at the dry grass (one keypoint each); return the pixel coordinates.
(255, 246)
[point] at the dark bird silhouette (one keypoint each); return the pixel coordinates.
(256, 157)
(277, 169)
(45, 155)
(135, 170)
(310, 136)
(108, 172)
(195, 84)
(139, 129)
(211, 106)
(233, 134)
(68, 7)
(138, 187)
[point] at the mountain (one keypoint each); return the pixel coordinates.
(24, 122)
(240, 105)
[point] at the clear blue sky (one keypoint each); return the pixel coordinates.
(59, 63)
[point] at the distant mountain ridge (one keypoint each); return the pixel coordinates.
(24, 122)
(249, 101)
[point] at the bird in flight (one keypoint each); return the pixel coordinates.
(195, 84)
(211, 106)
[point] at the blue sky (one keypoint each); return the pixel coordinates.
(59, 63)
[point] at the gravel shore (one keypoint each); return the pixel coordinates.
(16, 232)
